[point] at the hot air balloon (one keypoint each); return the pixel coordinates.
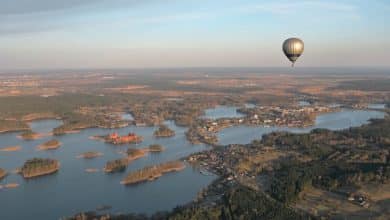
(293, 49)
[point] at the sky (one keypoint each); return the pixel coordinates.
(50, 34)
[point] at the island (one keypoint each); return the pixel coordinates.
(119, 165)
(3, 173)
(114, 166)
(39, 167)
(50, 145)
(90, 155)
(164, 131)
(91, 170)
(155, 148)
(151, 173)
(135, 154)
(11, 149)
(116, 139)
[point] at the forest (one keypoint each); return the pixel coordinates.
(238, 202)
(38, 166)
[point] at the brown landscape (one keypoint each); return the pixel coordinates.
(252, 172)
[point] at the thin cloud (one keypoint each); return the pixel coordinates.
(288, 8)
(305, 7)
(12, 7)
(20, 7)
(34, 16)
(25, 16)
(176, 17)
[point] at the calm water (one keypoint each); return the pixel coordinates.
(249, 105)
(222, 112)
(304, 103)
(333, 121)
(72, 190)
(127, 116)
(377, 106)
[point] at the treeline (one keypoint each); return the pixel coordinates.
(365, 85)
(293, 177)
(319, 143)
(38, 166)
(237, 203)
(62, 106)
(240, 203)
(22, 105)
(75, 121)
(377, 132)
(164, 131)
(324, 170)
(152, 172)
(315, 144)
(114, 166)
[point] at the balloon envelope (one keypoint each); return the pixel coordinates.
(293, 49)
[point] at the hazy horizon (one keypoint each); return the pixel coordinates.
(234, 71)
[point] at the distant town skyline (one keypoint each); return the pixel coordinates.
(44, 34)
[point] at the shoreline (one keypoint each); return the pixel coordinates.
(47, 146)
(152, 173)
(35, 136)
(13, 130)
(140, 153)
(11, 149)
(89, 155)
(42, 173)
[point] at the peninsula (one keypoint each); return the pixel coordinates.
(39, 167)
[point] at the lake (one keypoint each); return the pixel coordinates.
(72, 190)
(376, 106)
(333, 121)
(223, 112)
